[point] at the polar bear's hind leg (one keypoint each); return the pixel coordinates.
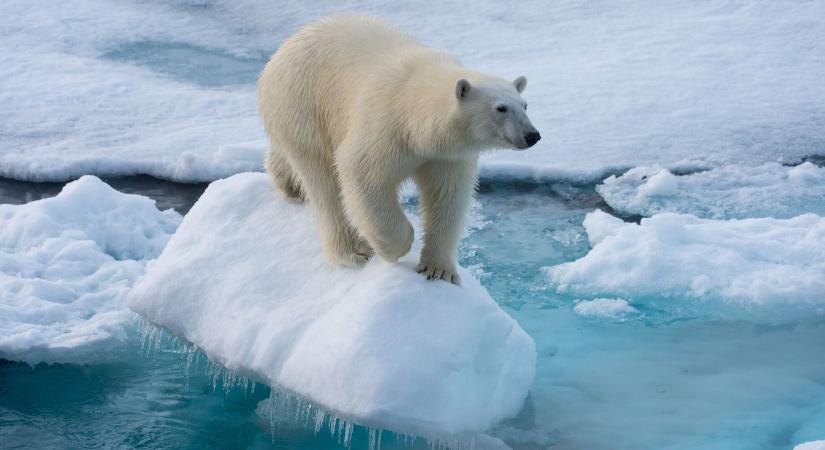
(285, 179)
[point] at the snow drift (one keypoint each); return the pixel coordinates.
(66, 264)
(244, 279)
(768, 268)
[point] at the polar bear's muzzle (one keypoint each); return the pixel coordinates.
(531, 137)
(528, 139)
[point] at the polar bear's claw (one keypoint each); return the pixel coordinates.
(434, 272)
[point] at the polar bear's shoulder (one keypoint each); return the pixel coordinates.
(360, 31)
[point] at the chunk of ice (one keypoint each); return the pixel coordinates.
(604, 308)
(768, 190)
(246, 281)
(66, 264)
(768, 268)
(813, 445)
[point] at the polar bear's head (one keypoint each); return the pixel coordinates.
(497, 113)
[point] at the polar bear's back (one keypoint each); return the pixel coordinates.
(310, 84)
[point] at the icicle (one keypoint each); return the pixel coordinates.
(284, 407)
(348, 434)
(272, 395)
(319, 420)
(375, 439)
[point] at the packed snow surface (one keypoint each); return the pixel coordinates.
(771, 268)
(769, 190)
(66, 264)
(167, 88)
(245, 280)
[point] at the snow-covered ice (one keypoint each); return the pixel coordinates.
(612, 84)
(66, 264)
(247, 283)
(604, 308)
(768, 190)
(766, 268)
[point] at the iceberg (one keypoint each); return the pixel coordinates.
(726, 192)
(244, 279)
(66, 264)
(771, 269)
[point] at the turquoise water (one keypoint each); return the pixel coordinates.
(656, 380)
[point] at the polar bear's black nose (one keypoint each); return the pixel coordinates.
(531, 138)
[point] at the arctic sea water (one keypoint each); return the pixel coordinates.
(645, 379)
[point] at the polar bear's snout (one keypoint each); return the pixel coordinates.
(531, 138)
(527, 139)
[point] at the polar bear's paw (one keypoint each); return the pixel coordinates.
(435, 271)
(396, 244)
(356, 254)
(363, 248)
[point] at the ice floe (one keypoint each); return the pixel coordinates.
(768, 190)
(244, 279)
(612, 86)
(765, 268)
(813, 445)
(66, 264)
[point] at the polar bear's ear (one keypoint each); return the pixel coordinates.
(520, 83)
(462, 87)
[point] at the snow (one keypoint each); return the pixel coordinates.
(768, 190)
(611, 84)
(767, 269)
(813, 445)
(66, 264)
(604, 308)
(247, 283)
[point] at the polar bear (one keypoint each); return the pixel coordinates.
(353, 107)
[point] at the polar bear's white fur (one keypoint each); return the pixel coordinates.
(353, 107)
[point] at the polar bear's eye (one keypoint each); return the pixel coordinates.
(501, 108)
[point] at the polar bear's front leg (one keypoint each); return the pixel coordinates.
(341, 242)
(370, 194)
(446, 194)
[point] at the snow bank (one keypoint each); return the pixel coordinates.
(769, 268)
(245, 280)
(66, 264)
(604, 308)
(769, 190)
(612, 86)
(813, 445)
